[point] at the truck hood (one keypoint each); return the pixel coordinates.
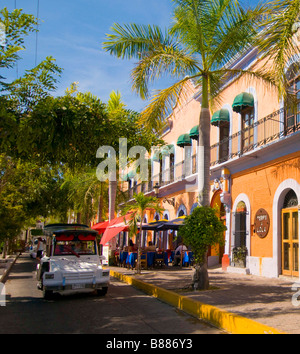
(72, 265)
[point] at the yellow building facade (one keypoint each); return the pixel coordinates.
(255, 172)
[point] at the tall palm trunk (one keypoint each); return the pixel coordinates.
(112, 202)
(204, 149)
(200, 277)
(139, 237)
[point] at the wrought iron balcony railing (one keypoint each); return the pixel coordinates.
(262, 133)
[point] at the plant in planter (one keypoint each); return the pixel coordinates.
(239, 256)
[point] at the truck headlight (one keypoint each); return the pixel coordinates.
(49, 276)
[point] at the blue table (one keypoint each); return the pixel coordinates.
(188, 258)
(123, 256)
(150, 258)
(131, 258)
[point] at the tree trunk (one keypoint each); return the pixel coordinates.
(200, 276)
(112, 199)
(4, 249)
(204, 148)
(112, 203)
(138, 265)
(100, 204)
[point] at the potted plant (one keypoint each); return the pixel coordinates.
(239, 256)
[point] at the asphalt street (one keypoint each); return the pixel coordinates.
(124, 310)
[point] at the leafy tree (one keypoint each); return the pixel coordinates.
(16, 25)
(201, 230)
(137, 209)
(27, 191)
(205, 35)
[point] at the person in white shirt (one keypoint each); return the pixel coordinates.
(181, 248)
(40, 249)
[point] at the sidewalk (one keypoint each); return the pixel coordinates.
(263, 300)
(5, 266)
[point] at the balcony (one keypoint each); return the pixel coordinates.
(261, 134)
(258, 135)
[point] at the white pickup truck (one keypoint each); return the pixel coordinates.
(71, 263)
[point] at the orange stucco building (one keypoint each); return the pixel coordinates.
(255, 175)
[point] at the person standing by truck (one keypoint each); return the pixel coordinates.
(40, 249)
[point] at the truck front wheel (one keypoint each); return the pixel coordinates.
(102, 292)
(47, 294)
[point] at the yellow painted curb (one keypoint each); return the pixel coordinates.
(222, 319)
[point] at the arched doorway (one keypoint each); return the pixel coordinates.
(290, 235)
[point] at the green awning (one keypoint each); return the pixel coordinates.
(184, 140)
(131, 174)
(242, 101)
(156, 156)
(163, 151)
(194, 133)
(219, 117)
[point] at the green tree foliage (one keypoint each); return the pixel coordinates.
(137, 208)
(201, 230)
(27, 191)
(204, 37)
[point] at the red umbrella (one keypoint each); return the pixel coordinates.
(114, 228)
(101, 227)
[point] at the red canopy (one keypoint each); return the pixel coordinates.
(101, 227)
(114, 228)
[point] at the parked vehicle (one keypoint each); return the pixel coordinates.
(71, 263)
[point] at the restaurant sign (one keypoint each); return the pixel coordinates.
(262, 223)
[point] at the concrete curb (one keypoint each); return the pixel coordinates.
(4, 276)
(227, 321)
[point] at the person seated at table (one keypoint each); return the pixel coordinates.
(131, 247)
(151, 247)
(177, 258)
(117, 255)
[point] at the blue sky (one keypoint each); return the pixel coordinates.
(73, 31)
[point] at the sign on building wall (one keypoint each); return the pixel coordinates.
(262, 223)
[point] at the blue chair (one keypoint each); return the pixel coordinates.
(159, 259)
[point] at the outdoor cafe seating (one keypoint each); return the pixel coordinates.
(155, 259)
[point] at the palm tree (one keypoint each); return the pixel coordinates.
(277, 41)
(205, 36)
(137, 209)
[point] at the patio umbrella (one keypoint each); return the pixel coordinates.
(172, 225)
(153, 226)
(101, 227)
(116, 226)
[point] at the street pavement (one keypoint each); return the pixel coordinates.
(124, 310)
(269, 301)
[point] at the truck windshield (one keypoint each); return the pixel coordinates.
(74, 248)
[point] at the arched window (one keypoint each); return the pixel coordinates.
(240, 225)
(292, 104)
(290, 200)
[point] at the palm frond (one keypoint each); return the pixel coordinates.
(277, 40)
(130, 41)
(161, 105)
(161, 60)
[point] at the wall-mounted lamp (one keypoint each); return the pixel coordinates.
(156, 189)
(170, 201)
